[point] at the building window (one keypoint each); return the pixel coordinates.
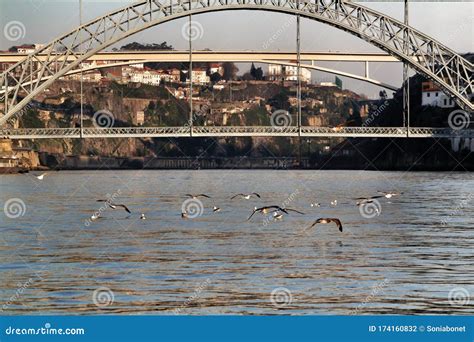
(428, 94)
(445, 102)
(436, 95)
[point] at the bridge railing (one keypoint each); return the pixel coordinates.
(354, 131)
(243, 131)
(23, 81)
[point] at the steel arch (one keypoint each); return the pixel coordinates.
(428, 56)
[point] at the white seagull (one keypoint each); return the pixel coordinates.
(95, 216)
(115, 205)
(390, 194)
(41, 176)
(246, 196)
(193, 196)
(328, 220)
(277, 216)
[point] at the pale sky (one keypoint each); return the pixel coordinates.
(449, 22)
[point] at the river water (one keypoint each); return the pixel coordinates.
(412, 255)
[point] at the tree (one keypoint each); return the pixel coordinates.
(183, 76)
(215, 77)
(230, 71)
(247, 77)
(280, 100)
(146, 47)
(253, 71)
(259, 74)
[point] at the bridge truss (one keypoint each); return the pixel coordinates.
(233, 131)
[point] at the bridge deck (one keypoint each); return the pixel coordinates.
(218, 56)
(226, 131)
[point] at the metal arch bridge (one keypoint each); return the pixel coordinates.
(234, 131)
(424, 54)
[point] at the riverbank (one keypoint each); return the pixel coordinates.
(337, 161)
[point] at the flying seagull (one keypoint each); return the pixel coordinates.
(216, 209)
(246, 196)
(115, 205)
(334, 203)
(95, 216)
(365, 200)
(277, 216)
(326, 221)
(197, 196)
(142, 217)
(389, 194)
(271, 209)
(41, 176)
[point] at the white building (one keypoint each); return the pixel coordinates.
(199, 76)
(138, 66)
(139, 118)
(170, 76)
(288, 73)
(327, 84)
(27, 49)
(431, 95)
(145, 76)
(91, 76)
